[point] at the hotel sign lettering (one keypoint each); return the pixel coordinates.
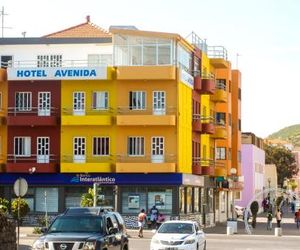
(68, 73)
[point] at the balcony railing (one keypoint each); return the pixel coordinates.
(87, 111)
(87, 159)
(217, 52)
(203, 161)
(11, 158)
(146, 111)
(167, 158)
(15, 111)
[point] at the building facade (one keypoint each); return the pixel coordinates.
(146, 115)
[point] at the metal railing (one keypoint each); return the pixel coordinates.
(167, 158)
(218, 52)
(12, 158)
(130, 110)
(87, 159)
(194, 39)
(32, 110)
(87, 111)
(203, 161)
(52, 64)
(208, 119)
(220, 85)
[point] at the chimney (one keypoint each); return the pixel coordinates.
(88, 19)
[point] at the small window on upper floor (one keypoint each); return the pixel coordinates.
(49, 61)
(221, 84)
(6, 61)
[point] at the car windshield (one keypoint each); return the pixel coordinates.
(77, 224)
(176, 228)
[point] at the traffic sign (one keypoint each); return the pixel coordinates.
(20, 187)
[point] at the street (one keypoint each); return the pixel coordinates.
(214, 242)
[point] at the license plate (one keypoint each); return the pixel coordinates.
(171, 248)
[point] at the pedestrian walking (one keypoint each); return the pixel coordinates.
(269, 220)
(278, 216)
(297, 218)
(141, 222)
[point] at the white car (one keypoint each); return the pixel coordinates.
(178, 235)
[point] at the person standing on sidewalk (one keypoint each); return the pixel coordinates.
(269, 220)
(278, 217)
(297, 218)
(141, 222)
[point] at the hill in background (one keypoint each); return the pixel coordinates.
(290, 134)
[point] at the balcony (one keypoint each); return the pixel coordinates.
(208, 167)
(86, 164)
(220, 132)
(208, 126)
(208, 86)
(196, 123)
(32, 117)
(22, 164)
(220, 94)
(86, 117)
(146, 164)
(220, 168)
(197, 83)
(196, 166)
(218, 57)
(146, 72)
(128, 116)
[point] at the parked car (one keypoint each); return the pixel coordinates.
(178, 235)
(93, 228)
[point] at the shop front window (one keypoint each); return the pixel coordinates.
(46, 198)
(161, 198)
(182, 200)
(196, 200)
(210, 200)
(133, 199)
(73, 196)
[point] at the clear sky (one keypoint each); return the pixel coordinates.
(264, 32)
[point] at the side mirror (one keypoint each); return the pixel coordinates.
(113, 230)
(44, 230)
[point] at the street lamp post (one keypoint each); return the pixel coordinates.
(232, 175)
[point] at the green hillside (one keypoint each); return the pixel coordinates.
(290, 134)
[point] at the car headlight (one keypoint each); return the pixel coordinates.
(89, 245)
(38, 245)
(189, 241)
(155, 241)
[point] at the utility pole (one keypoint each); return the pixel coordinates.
(2, 14)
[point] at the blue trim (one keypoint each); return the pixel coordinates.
(88, 179)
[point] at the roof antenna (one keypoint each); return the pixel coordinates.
(2, 13)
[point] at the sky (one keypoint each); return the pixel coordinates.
(264, 33)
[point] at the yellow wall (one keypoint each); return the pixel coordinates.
(184, 129)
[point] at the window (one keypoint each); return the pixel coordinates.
(221, 153)
(196, 199)
(6, 61)
(137, 100)
(189, 196)
(220, 118)
(135, 146)
(49, 61)
(22, 146)
(100, 100)
(100, 146)
(240, 125)
(240, 94)
(99, 60)
(221, 84)
(23, 101)
(46, 197)
(182, 198)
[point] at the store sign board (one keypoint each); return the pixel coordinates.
(193, 180)
(63, 73)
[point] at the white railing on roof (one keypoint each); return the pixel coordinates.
(194, 39)
(217, 52)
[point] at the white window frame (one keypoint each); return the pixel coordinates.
(221, 153)
(136, 146)
(102, 141)
(25, 146)
(99, 95)
(140, 98)
(25, 106)
(45, 61)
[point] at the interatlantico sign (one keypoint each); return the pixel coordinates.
(68, 73)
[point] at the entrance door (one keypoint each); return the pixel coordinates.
(43, 149)
(79, 150)
(44, 103)
(79, 103)
(157, 147)
(159, 103)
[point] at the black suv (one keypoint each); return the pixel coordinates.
(89, 228)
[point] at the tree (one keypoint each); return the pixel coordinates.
(283, 159)
(87, 199)
(4, 205)
(24, 208)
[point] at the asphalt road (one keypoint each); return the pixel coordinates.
(214, 242)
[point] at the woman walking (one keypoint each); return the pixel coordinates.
(141, 222)
(278, 217)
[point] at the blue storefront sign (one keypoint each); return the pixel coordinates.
(89, 179)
